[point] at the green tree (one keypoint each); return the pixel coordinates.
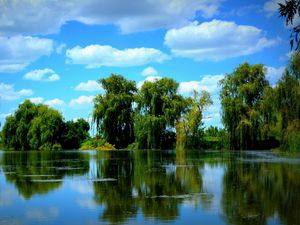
(15, 130)
(158, 108)
(113, 112)
(240, 96)
(75, 133)
(33, 127)
(189, 128)
(8, 134)
(46, 129)
(288, 104)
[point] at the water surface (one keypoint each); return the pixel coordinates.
(148, 187)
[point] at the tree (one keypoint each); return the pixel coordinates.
(75, 133)
(288, 104)
(46, 129)
(113, 112)
(189, 129)
(291, 10)
(15, 130)
(240, 96)
(158, 108)
(33, 127)
(8, 134)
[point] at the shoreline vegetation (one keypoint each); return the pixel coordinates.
(255, 115)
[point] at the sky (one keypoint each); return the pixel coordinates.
(55, 52)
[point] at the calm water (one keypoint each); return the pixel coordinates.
(148, 187)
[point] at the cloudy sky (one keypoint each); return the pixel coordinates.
(53, 52)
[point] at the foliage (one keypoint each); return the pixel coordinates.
(96, 143)
(241, 96)
(45, 129)
(158, 108)
(291, 10)
(214, 138)
(39, 127)
(189, 128)
(288, 105)
(113, 113)
(291, 138)
(75, 133)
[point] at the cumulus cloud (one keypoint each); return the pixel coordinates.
(8, 92)
(36, 100)
(149, 79)
(81, 102)
(17, 52)
(95, 56)
(42, 75)
(55, 102)
(18, 16)
(207, 83)
(149, 71)
(274, 74)
(90, 85)
(216, 40)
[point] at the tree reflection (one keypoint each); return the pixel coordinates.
(40, 172)
(154, 182)
(256, 192)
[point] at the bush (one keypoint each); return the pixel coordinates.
(96, 143)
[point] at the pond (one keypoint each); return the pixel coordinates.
(148, 187)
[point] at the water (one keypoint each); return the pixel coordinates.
(148, 187)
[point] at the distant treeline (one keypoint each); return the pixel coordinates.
(39, 127)
(255, 115)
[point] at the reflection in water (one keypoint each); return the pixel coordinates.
(255, 192)
(137, 187)
(155, 182)
(40, 172)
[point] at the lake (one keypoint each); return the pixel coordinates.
(148, 187)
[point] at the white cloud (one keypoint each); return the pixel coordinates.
(18, 16)
(55, 102)
(208, 83)
(149, 71)
(36, 100)
(17, 52)
(272, 6)
(216, 40)
(7, 92)
(274, 74)
(81, 102)
(95, 56)
(90, 85)
(42, 75)
(149, 79)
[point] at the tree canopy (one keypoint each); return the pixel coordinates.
(159, 107)
(113, 111)
(39, 127)
(241, 95)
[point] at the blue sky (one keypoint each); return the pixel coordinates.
(53, 52)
